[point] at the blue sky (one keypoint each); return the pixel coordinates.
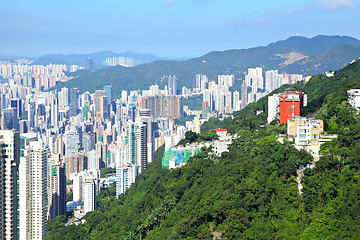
(166, 28)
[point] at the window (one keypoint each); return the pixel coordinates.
(314, 142)
(302, 136)
(315, 131)
(314, 136)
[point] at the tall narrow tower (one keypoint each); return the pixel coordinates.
(36, 192)
(11, 144)
(2, 189)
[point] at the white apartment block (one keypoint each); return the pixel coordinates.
(89, 194)
(36, 192)
(354, 97)
(273, 107)
(125, 176)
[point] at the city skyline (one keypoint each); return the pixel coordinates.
(167, 28)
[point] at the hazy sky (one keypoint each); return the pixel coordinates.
(166, 28)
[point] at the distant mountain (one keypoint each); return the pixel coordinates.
(98, 58)
(315, 45)
(294, 55)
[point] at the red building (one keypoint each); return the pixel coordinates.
(291, 105)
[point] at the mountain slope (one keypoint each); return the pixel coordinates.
(329, 60)
(275, 56)
(250, 192)
(315, 45)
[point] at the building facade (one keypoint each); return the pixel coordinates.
(11, 146)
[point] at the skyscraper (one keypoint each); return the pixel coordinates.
(2, 189)
(73, 101)
(172, 85)
(90, 63)
(56, 190)
(36, 192)
(89, 194)
(96, 99)
(11, 144)
(254, 79)
(107, 89)
(71, 140)
(137, 144)
(64, 97)
(236, 101)
(104, 107)
(125, 176)
(54, 111)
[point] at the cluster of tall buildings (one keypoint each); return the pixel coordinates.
(256, 86)
(122, 61)
(8, 70)
(49, 138)
(35, 76)
(217, 98)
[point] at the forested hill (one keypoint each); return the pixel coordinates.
(250, 192)
(307, 56)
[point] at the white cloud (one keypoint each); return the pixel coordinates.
(292, 11)
(169, 2)
(261, 20)
(332, 5)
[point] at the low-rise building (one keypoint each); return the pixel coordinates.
(306, 132)
(354, 97)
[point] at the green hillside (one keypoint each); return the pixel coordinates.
(250, 192)
(286, 56)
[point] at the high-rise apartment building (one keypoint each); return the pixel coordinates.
(236, 101)
(228, 102)
(104, 107)
(2, 189)
(73, 101)
(107, 89)
(254, 79)
(125, 176)
(272, 80)
(97, 95)
(90, 63)
(56, 190)
(64, 97)
(226, 80)
(172, 85)
(10, 140)
(273, 107)
(79, 183)
(163, 106)
(137, 144)
(36, 192)
(90, 190)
